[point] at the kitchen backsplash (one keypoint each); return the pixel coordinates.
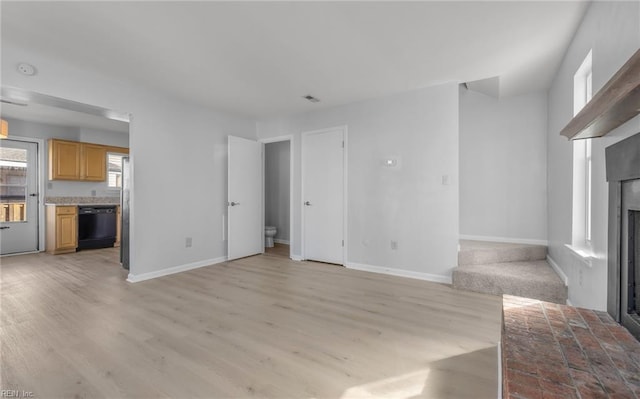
(82, 200)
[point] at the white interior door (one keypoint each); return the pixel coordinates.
(323, 196)
(18, 196)
(245, 226)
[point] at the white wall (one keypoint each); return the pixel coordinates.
(42, 131)
(97, 136)
(612, 30)
(178, 152)
(503, 176)
(61, 188)
(277, 163)
(408, 203)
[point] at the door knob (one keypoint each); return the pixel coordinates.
(307, 203)
(33, 195)
(234, 203)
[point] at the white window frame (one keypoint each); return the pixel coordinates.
(110, 187)
(582, 161)
(587, 191)
(583, 84)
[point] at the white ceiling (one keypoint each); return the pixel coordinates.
(258, 59)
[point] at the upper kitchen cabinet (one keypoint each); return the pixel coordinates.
(72, 160)
(93, 166)
(64, 160)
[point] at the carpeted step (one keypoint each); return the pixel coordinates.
(531, 279)
(484, 252)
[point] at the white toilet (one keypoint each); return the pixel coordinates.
(269, 233)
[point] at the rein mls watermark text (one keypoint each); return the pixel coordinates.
(15, 393)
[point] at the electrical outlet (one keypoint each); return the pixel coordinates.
(49, 186)
(394, 245)
(93, 193)
(188, 242)
(580, 279)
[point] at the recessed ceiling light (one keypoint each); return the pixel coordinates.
(26, 69)
(311, 98)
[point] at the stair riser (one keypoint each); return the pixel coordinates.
(489, 286)
(484, 256)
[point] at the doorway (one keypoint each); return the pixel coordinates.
(277, 197)
(324, 195)
(37, 120)
(19, 218)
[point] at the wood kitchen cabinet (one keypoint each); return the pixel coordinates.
(64, 160)
(61, 229)
(72, 160)
(93, 166)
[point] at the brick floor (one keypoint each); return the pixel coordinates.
(554, 351)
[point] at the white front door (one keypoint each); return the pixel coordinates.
(18, 196)
(245, 227)
(323, 195)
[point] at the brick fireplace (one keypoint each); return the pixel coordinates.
(623, 286)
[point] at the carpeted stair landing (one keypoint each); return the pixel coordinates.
(513, 269)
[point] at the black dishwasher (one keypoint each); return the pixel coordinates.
(96, 226)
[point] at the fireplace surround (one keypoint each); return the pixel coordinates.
(623, 285)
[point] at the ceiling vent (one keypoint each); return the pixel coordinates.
(311, 99)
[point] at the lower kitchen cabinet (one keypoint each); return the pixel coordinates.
(61, 229)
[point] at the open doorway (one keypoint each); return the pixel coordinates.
(77, 154)
(277, 196)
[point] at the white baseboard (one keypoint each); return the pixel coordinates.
(297, 258)
(399, 272)
(505, 239)
(135, 278)
(280, 241)
(558, 270)
(21, 253)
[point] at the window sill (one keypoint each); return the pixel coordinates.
(586, 255)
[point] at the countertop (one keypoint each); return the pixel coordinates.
(81, 201)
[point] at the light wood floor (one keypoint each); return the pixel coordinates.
(262, 326)
(278, 250)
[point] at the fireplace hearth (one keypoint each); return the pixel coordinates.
(623, 287)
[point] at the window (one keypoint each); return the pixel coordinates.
(582, 84)
(114, 170)
(13, 184)
(587, 190)
(582, 159)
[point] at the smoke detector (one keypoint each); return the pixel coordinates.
(311, 98)
(26, 69)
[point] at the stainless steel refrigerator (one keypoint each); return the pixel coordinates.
(125, 209)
